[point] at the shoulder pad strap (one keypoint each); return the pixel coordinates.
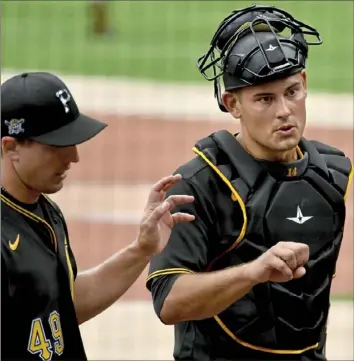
(191, 168)
(209, 148)
(340, 167)
(227, 157)
(315, 157)
(204, 143)
(326, 149)
(339, 163)
(248, 169)
(341, 170)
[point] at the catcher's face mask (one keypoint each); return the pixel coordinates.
(255, 45)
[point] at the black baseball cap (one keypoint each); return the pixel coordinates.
(40, 107)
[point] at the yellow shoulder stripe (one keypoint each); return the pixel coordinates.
(168, 271)
(349, 182)
(32, 216)
(70, 268)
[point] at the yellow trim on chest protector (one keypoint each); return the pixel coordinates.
(259, 348)
(234, 193)
(350, 179)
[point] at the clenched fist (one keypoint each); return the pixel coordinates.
(281, 263)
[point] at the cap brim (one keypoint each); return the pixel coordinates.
(76, 132)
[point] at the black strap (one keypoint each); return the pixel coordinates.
(247, 168)
(331, 163)
(316, 160)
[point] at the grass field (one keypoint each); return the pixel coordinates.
(159, 40)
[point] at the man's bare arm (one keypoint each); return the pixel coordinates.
(204, 295)
(98, 288)
(201, 296)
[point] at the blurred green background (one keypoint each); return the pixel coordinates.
(159, 40)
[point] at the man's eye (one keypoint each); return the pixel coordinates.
(265, 100)
(292, 92)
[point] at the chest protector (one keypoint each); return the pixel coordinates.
(302, 202)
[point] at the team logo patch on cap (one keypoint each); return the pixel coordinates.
(65, 97)
(15, 126)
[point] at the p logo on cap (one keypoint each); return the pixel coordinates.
(65, 97)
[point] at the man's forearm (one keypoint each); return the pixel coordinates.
(98, 288)
(201, 296)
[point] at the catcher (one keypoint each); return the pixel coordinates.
(250, 278)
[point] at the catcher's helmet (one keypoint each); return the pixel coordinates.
(256, 44)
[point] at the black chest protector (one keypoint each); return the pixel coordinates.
(302, 202)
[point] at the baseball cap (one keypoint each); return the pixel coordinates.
(40, 107)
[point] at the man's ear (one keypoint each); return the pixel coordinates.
(304, 79)
(232, 102)
(9, 146)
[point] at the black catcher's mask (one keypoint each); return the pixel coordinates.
(255, 45)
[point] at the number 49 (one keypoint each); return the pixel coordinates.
(39, 344)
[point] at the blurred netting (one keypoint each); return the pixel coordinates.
(128, 63)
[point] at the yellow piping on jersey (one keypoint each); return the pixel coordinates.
(349, 182)
(168, 271)
(53, 236)
(263, 349)
(299, 152)
(235, 195)
(350, 179)
(71, 273)
(33, 217)
(68, 261)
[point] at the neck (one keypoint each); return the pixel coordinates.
(260, 152)
(13, 185)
